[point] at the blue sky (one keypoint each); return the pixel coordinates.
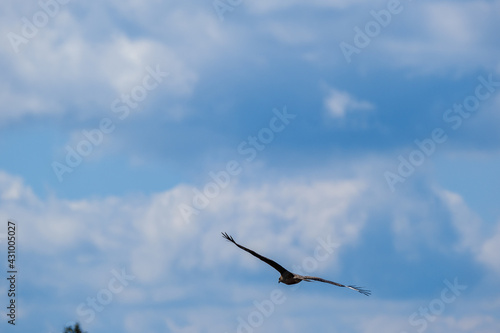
(133, 133)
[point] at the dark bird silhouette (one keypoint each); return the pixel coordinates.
(288, 277)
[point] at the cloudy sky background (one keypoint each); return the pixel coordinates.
(316, 177)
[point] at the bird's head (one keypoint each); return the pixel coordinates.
(280, 279)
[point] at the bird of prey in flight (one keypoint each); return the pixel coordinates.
(289, 277)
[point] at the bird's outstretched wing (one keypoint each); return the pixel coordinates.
(358, 289)
(274, 264)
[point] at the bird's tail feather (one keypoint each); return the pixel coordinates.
(361, 290)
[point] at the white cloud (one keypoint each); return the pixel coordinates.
(267, 7)
(79, 65)
(451, 24)
(490, 249)
(466, 222)
(86, 57)
(339, 103)
(66, 69)
(153, 238)
(442, 36)
(12, 188)
(471, 230)
(148, 236)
